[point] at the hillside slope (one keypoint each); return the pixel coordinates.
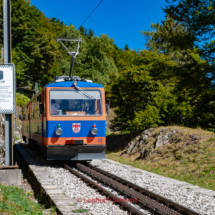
(177, 152)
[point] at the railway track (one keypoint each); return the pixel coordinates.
(156, 203)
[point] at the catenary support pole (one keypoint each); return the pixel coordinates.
(7, 59)
(36, 88)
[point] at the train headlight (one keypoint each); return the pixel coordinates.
(94, 131)
(58, 131)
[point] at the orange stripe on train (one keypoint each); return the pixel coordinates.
(67, 140)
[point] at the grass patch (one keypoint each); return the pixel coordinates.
(189, 157)
(80, 210)
(53, 209)
(14, 201)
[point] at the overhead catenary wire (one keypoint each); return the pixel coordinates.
(91, 13)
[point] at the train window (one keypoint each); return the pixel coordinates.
(75, 102)
(39, 98)
(35, 108)
(25, 113)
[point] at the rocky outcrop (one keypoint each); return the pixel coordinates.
(145, 152)
(139, 141)
(164, 138)
(149, 140)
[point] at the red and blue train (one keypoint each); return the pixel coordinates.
(67, 121)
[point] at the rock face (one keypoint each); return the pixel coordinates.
(150, 139)
(139, 141)
(163, 139)
(130, 147)
(2, 143)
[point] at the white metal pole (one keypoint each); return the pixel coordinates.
(36, 88)
(7, 59)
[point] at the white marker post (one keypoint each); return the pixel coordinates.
(7, 74)
(7, 104)
(6, 90)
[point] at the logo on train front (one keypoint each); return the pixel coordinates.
(76, 127)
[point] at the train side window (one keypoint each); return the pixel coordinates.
(39, 99)
(35, 108)
(25, 113)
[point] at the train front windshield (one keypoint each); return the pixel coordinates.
(75, 102)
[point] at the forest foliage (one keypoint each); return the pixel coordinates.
(170, 82)
(37, 54)
(21, 99)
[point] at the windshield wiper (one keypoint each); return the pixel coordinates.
(85, 93)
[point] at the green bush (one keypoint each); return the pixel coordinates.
(21, 99)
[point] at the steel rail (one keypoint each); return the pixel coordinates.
(112, 197)
(175, 206)
(142, 199)
(159, 202)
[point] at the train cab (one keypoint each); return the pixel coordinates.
(70, 121)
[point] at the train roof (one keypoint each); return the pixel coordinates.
(70, 84)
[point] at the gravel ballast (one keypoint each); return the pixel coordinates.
(200, 203)
(76, 189)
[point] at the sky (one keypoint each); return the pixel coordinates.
(121, 20)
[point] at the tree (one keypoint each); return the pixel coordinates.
(163, 88)
(94, 61)
(33, 41)
(126, 47)
(135, 87)
(98, 63)
(170, 37)
(198, 16)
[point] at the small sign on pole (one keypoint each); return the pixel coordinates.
(7, 88)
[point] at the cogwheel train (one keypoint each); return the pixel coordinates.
(67, 120)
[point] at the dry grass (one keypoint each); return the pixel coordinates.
(189, 157)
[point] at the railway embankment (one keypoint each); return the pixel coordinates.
(82, 188)
(177, 152)
(58, 188)
(39, 178)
